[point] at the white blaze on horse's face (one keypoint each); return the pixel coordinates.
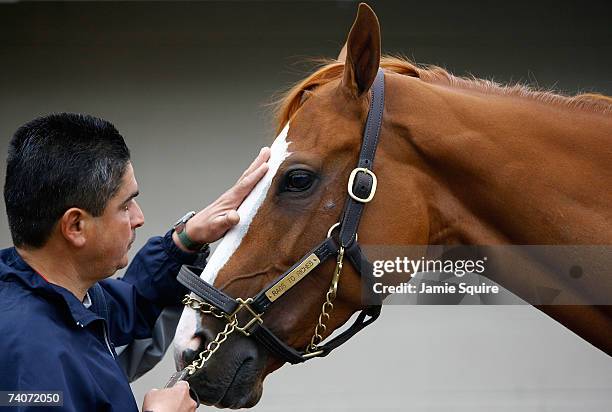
(188, 324)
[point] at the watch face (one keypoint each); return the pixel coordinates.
(180, 224)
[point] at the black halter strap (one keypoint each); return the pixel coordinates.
(361, 188)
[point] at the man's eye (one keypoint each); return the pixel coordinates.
(298, 181)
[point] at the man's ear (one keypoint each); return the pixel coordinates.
(73, 226)
(362, 52)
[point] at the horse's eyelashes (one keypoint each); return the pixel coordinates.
(298, 180)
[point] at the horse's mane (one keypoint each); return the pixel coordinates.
(332, 69)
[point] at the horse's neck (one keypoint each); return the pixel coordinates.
(501, 169)
(506, 169)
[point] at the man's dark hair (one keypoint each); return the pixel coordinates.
(56, 162)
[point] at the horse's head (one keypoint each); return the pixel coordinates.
(291, 210)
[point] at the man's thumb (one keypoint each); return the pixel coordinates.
(182, 383)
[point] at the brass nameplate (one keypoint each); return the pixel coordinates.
(292, 277)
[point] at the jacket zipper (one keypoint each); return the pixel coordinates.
(108, 342)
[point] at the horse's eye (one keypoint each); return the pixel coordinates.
(298, 181)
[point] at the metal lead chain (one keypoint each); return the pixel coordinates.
(212, 347)
(327, 307)
(202, 307)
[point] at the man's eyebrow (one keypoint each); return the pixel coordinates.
(130, 197)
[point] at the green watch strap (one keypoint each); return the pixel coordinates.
(188, 243)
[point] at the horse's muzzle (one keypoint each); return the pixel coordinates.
(233, 377)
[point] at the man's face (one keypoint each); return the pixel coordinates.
(115, 230)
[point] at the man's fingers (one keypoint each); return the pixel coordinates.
(224, 222)
(248, 182)
(263, 156)
(182, 384)
(232, 218)
(234, 196)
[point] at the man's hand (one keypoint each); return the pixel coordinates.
(211, 223)
(174, 399)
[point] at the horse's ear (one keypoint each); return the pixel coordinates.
(342, 56)
(362, 52)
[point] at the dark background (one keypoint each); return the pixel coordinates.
(560, 44)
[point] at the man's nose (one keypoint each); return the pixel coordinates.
(137, 218)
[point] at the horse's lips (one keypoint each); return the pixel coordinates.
(231, 378)
(242, 391)
(248, 399)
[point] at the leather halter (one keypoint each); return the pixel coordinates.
(361, 188)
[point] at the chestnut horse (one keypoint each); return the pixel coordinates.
(460, 161)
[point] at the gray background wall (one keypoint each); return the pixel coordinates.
(187, 84)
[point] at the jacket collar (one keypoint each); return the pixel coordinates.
(34, 281)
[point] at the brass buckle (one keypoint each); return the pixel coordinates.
(352, 181)
(334, 226)
(256, 316)
(314, 354)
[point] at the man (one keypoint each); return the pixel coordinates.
(70, 199)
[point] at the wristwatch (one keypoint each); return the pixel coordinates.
(179, 228)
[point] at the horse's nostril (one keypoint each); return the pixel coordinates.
(188, 356)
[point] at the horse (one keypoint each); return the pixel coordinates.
(459, 161)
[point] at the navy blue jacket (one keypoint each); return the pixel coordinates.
(49, 341)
